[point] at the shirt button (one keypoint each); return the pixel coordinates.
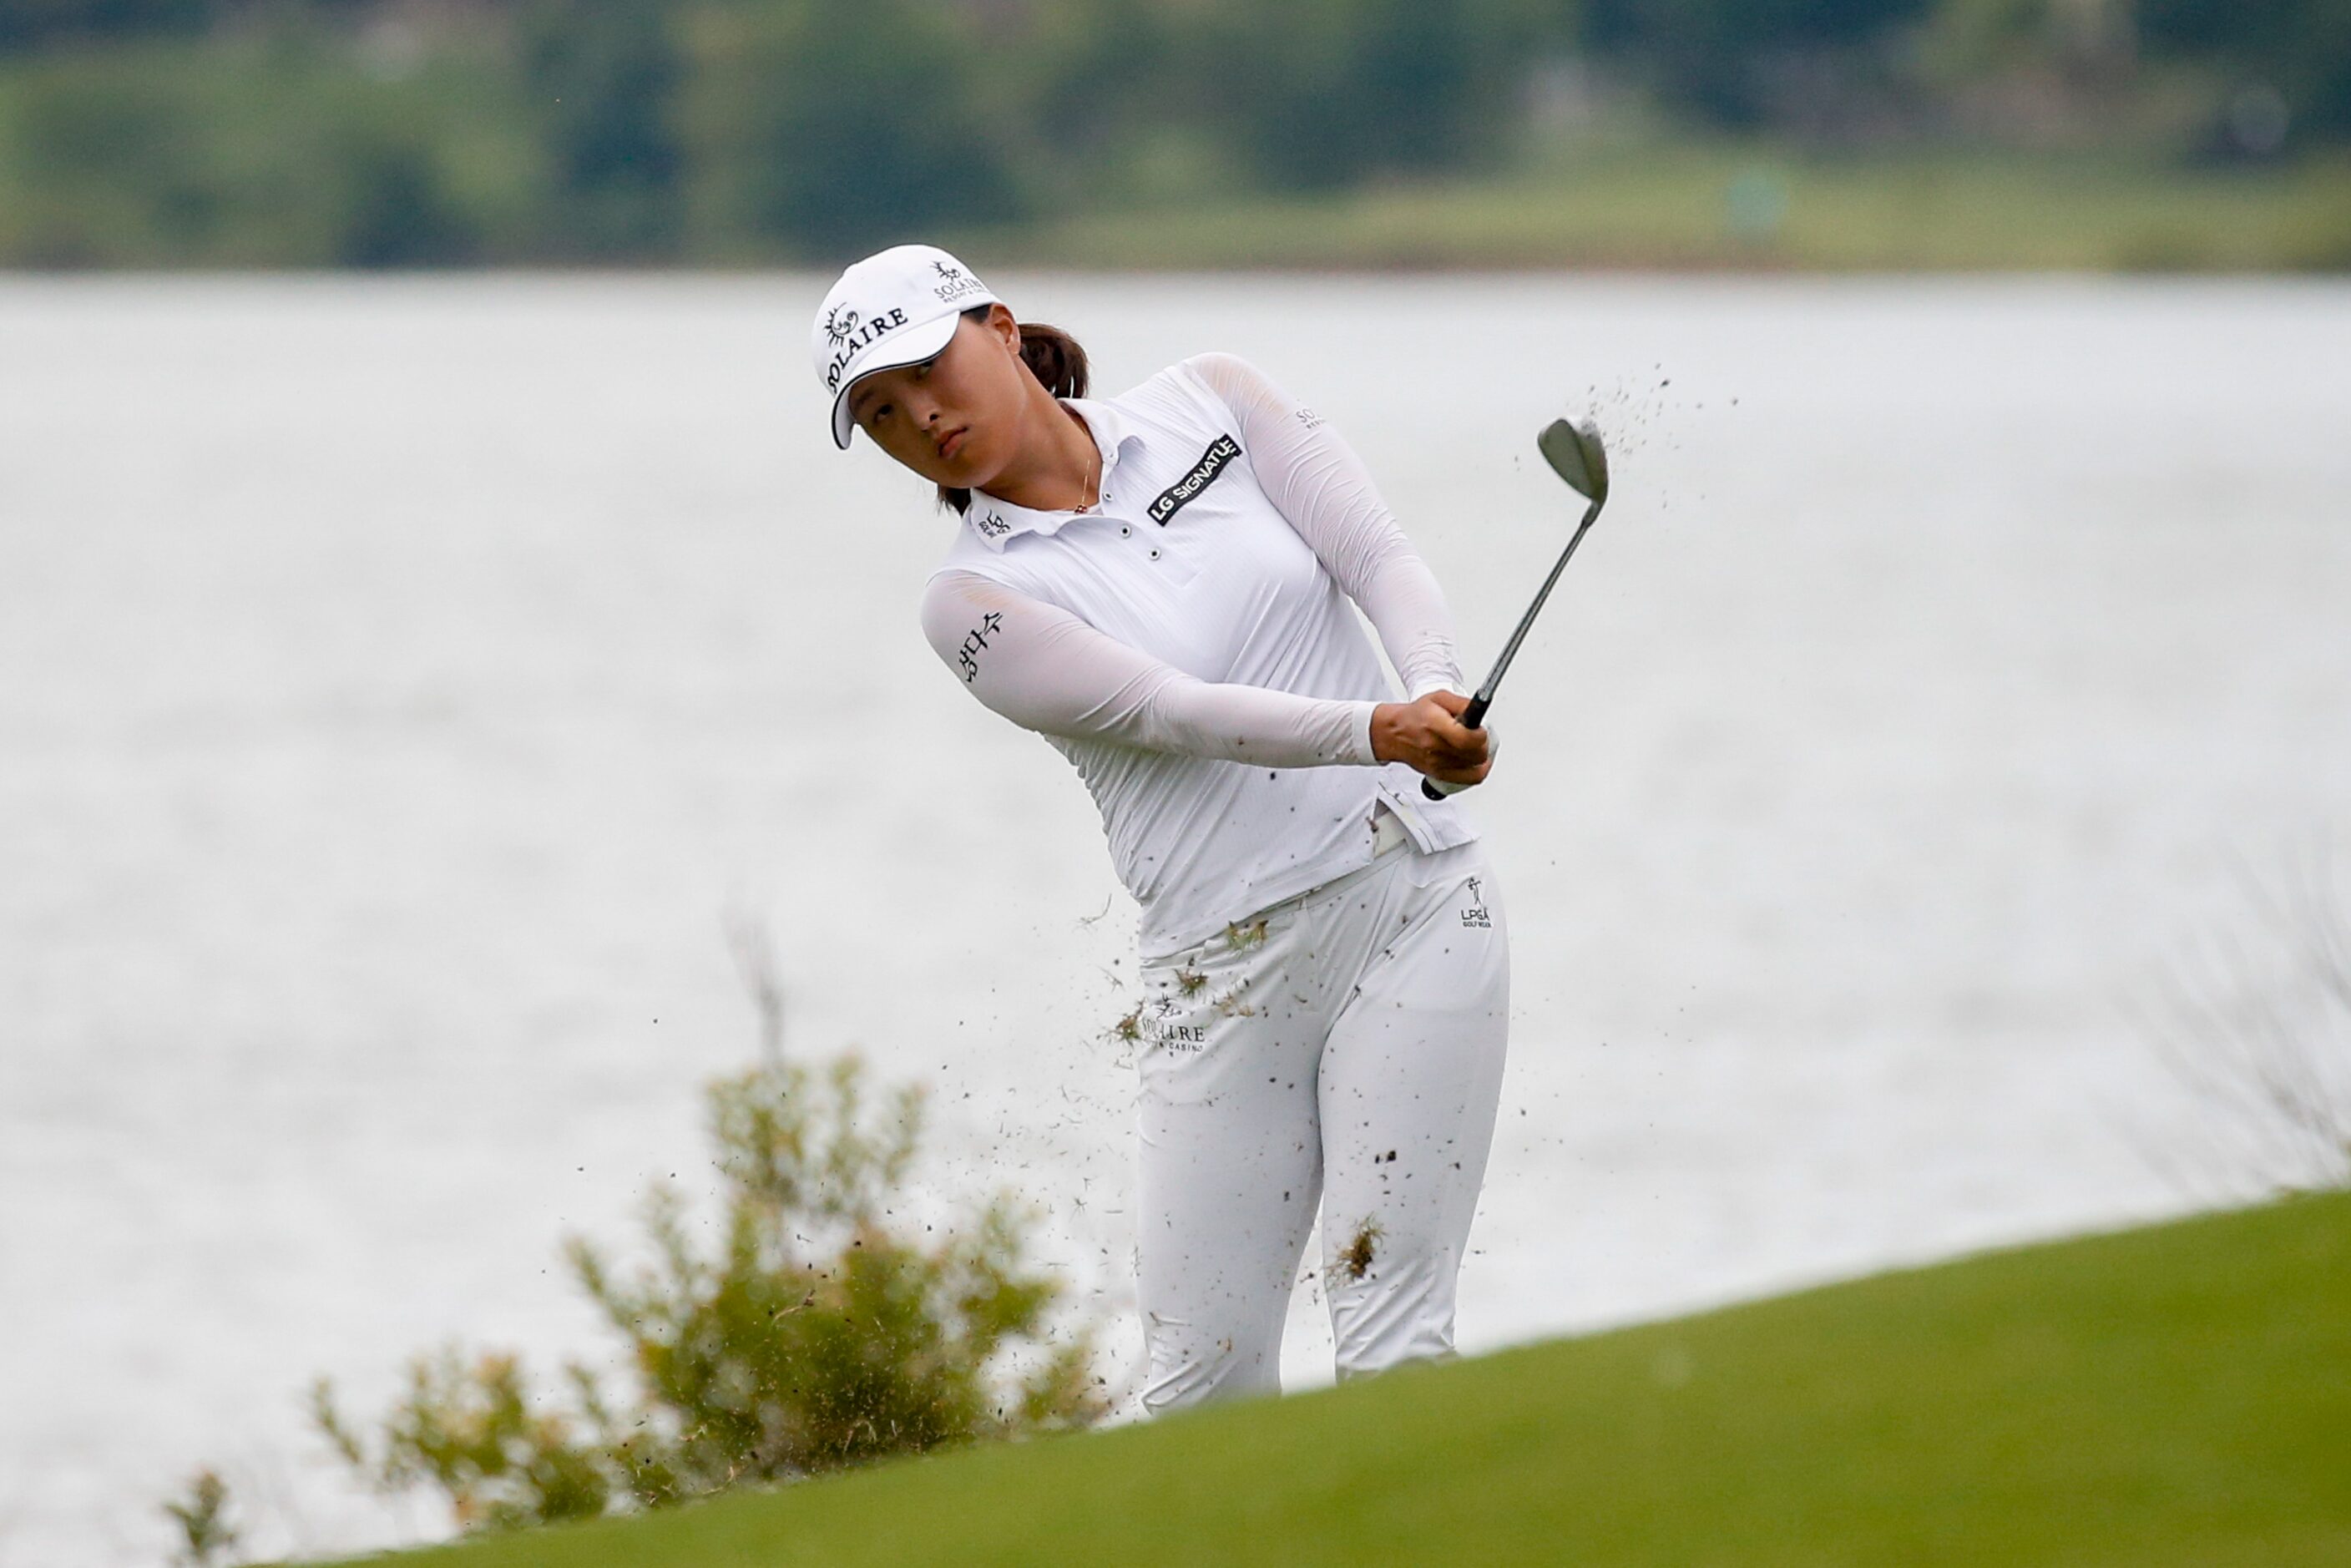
(1123, 531)
(1154, 552)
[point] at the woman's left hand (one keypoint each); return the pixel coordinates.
(1428, 736)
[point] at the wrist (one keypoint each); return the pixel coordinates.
(1384, 732)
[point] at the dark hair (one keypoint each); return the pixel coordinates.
(1057, 362)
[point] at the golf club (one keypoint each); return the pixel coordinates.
(1576, 456)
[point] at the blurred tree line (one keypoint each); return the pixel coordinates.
(394, 132)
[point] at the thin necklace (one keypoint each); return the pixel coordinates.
(1093, 470)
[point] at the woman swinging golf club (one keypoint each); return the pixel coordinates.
(1157, 583)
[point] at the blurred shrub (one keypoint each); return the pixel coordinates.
(294, 148)
(826, 1327)
(2254, 1022)
(1717, 61)
(1325, 92)
(825, 130)
(27, 23)
(2299, 48)
(606, 77)
(206, 1536)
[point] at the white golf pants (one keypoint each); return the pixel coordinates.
(1344, 1046)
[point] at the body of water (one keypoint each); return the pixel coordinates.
(404, 683)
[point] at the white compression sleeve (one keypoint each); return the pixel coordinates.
(1045, 669)
(1317, 482)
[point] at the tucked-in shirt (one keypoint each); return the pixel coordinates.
(1187, 643)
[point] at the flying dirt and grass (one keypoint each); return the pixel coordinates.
(2175, 1395)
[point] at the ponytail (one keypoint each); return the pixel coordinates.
(1054, 357)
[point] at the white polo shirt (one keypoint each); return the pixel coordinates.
(1188, 644)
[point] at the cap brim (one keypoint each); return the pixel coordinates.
(911, 347)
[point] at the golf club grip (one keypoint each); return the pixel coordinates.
(1471, 717)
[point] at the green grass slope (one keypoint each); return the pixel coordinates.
(1672, 206)
(2175, 1395)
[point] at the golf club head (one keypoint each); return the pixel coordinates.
(1576, 456)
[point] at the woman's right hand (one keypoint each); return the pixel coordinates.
(1428, 736)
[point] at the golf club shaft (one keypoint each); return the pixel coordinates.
(1475, 714)
(1484, 697)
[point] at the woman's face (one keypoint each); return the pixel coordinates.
(954, 418)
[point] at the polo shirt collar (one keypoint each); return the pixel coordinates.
(996, 521)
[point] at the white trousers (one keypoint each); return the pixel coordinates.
(1343, 1047)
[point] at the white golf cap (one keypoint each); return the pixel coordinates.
(897, 307)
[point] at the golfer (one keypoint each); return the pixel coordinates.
(1158, 584)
